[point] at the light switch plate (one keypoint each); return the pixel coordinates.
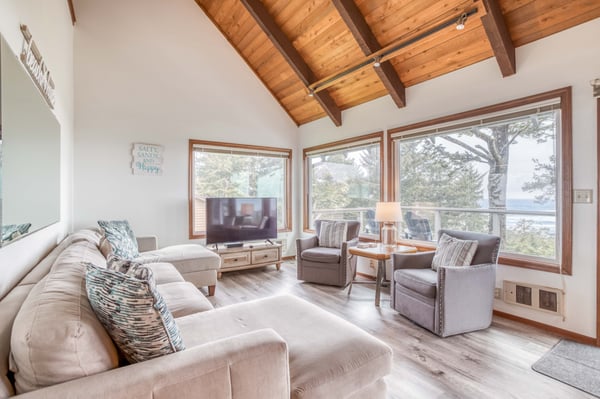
(582, 196)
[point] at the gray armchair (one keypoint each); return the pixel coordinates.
(324, 265)
(454, 299)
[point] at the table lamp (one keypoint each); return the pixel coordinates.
(389, 213)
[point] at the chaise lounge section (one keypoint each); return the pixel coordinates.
(277, 347)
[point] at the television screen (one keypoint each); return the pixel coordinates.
(240, 219)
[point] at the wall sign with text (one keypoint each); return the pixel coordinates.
(147, 159)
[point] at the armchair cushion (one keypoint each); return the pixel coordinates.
(422, 281)
(321, 255)
(332, 234)
(453, 252)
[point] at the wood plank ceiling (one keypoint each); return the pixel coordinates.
(317, 56)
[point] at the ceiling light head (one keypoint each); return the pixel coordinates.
(460, 22)
(311, 93)
(377, 62)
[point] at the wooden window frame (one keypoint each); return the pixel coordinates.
(323, 147)
(244, 148)
(566, 168)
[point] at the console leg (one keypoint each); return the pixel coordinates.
(211, 290)
(278, 266)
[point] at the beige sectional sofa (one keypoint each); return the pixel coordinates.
(278, 347)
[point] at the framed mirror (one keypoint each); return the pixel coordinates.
(29, 153)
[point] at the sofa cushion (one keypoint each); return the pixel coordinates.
(133, 312)
(183, 298)
(329, 357)
(56, 336)
(451, 251)
(187, 258)
(321, 255)
(422, 281)
(332, 234)
(121, 238)
(164, 273)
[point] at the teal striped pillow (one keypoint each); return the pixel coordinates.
(121, 238)
(451, 251)
(133, 312)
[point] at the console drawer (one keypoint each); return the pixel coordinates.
(265, 255)
(235, 259)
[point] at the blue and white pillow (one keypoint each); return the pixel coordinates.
(133, 312)
(121, 238)
(12, 231)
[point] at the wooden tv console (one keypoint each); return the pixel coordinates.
(249, 256)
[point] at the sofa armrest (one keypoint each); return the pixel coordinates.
(465, 297)
(419, 260)
(303, 244)
(218, 369)
(149, 243)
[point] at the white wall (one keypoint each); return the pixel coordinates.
(569, 58)
(50, 24)
(158, 72)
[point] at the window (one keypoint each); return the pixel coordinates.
(235, 170)
(343, 181)
(504, 169)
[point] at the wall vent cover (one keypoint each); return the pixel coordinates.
(533, 296)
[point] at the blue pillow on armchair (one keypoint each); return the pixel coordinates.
(121, 238)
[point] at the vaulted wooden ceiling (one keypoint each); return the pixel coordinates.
(317, 56)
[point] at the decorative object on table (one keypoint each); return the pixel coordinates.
(147, 159)
(574, 364)
(389, 213)
(325, 264)
(121, 238)
(133, 312)
(452, 299)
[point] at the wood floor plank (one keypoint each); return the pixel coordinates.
(493, 363)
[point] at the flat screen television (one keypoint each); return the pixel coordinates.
(240, 219)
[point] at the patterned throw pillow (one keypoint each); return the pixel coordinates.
(333, 234)
(125, 266)
(133, 312)
(451, 251)
(12, 231)
(121, 238)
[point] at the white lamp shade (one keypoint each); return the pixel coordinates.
(388, 212)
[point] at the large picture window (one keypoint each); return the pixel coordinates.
(235, 170)
(343, 181)
(504, 170)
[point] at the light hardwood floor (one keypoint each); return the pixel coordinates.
(494, 363)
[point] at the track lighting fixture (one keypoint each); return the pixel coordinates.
(460, 23)
(311, 93)
(377, 62)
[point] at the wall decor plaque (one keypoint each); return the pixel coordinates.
(147, 159)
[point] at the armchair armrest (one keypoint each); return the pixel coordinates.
(419, 260)
(465, 297)
(212, 370)
(148, 243)
(303, 244)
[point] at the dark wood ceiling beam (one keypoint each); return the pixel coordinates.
(368, 43)
(292, 56)
(72, 11)
(499, 37)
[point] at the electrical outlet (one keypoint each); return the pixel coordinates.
(498, 293)
(582, 196)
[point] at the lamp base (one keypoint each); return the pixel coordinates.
(388, 234)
